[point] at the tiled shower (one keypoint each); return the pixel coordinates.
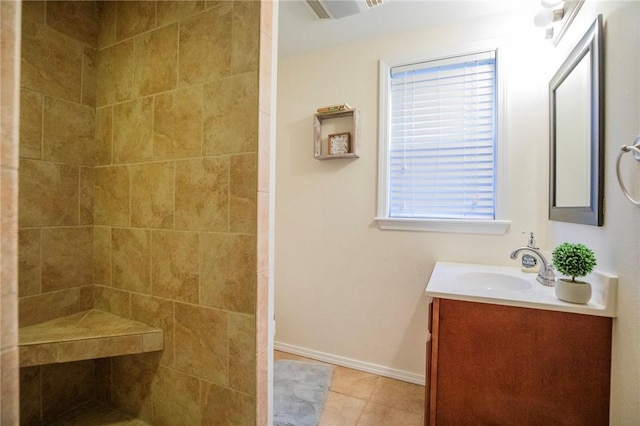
(143, 192)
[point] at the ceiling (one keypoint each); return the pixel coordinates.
(300, 31)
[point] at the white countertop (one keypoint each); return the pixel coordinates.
(451, 281)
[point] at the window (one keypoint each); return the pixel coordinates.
(439, 147)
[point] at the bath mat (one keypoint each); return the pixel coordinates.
(299, 392)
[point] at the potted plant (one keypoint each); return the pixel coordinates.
(574, 260)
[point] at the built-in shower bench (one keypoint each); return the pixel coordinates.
(86, 335)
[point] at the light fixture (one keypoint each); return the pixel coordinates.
(546, 17)
(555, 16)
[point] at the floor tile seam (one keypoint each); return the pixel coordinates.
(364, 409)
(370, 393)
(382, 401)
(394, 407)
(349, 395)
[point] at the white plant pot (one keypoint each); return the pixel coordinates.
(573, 292)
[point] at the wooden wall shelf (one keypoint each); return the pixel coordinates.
(333, 123)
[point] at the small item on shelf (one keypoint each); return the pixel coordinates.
(339, 143)
(333, 108)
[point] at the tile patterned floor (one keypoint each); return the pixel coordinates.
(357, 398)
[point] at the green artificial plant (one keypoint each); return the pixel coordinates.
(574, 260)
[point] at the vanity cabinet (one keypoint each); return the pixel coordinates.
(506, 365)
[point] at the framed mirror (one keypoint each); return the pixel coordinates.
(576, 97)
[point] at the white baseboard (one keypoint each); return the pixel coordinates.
(351, 363)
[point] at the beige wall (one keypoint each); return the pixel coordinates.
(347, 291)
(343, 287)
(9, 107)
(141, 198)
(616, 244)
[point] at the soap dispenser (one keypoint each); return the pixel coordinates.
(529, 261)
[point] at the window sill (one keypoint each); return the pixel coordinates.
(457, 226)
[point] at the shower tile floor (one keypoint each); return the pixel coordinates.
(357, 398)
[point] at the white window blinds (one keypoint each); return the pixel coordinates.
(443, 138)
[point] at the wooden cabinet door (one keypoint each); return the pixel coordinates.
(503, 365)
(429, 368)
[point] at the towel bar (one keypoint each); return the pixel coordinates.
(635, 148)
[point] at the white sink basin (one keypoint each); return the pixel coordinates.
(494, 281)
(506, 285)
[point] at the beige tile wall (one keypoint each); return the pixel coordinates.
(48, 391)
(57, 155)
(150, 187)
(175, 206)
(9, 107)
(56, 184)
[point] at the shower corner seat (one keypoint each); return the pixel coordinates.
(86, 335)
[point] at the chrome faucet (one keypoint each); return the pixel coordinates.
(546, 276)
